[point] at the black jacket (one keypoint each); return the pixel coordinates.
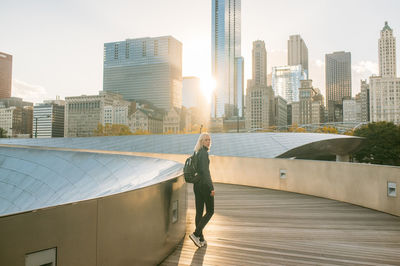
(203, 166)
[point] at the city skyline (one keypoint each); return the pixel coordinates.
(64, 57)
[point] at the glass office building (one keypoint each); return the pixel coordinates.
(239, 85)
(227, 63)
(145, 69)
(286, 82)
(48, 120)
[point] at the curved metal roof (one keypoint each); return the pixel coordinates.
(32, 178)
(259, 145)
(35, 178)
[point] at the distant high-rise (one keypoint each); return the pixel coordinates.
(310, 106)
(364, 98)
(337, 82)
(260, 98)
(260, 107)
(5, 75)
(259, 63)
(286, 82)
(306, 94)
(298, 53)
(226, 61)
(48, 119)
(145, 69)
(350, 111)
(387, 53)
(280, 112)
(384, 89)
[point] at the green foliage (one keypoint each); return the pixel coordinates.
(3, 133)
(382, 143)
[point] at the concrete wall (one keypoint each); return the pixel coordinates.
(360, 184)
(131, 228)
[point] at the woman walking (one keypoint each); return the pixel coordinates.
(203, 190)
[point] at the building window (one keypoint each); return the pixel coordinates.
(46, 257)
(155, 47)
(127, 50)
(144, 48)
(116, 51)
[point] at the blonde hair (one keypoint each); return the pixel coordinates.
(200, 141)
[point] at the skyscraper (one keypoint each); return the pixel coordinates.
(338, 82)
(306, 95)
(259, 98)
(259, 63)
(385, 89)
(145, 69)
(226, 61)
(387, 53)
(5, 75)
(365, 117)
(286, 81)
(298, 53)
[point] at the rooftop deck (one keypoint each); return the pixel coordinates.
(255, 226)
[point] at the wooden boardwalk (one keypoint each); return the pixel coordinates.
(254, 226)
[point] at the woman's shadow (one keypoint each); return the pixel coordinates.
(198, 256)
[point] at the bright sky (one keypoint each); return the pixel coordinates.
(57, 46)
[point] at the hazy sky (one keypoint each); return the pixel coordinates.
(57, 46)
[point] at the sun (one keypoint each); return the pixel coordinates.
(207, 85)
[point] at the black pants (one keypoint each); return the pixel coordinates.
(202, 196)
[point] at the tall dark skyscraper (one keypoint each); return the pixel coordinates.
(226, 62)
(5, 75)
(338, 82)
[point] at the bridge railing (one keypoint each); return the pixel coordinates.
(367, 185)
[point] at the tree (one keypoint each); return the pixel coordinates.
(141, 132)
(382, 144)
(3, 133)
(295, 128)
(99, 131)
(327, 130)
(349, 132)
(112, 130)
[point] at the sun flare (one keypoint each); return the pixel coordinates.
(207, 85)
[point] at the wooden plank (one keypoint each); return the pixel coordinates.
(254, 226)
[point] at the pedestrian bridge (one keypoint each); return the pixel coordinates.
(267, 210)
(256, 226)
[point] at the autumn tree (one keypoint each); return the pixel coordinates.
(112, 130)
(327, 130)
(296, 128)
